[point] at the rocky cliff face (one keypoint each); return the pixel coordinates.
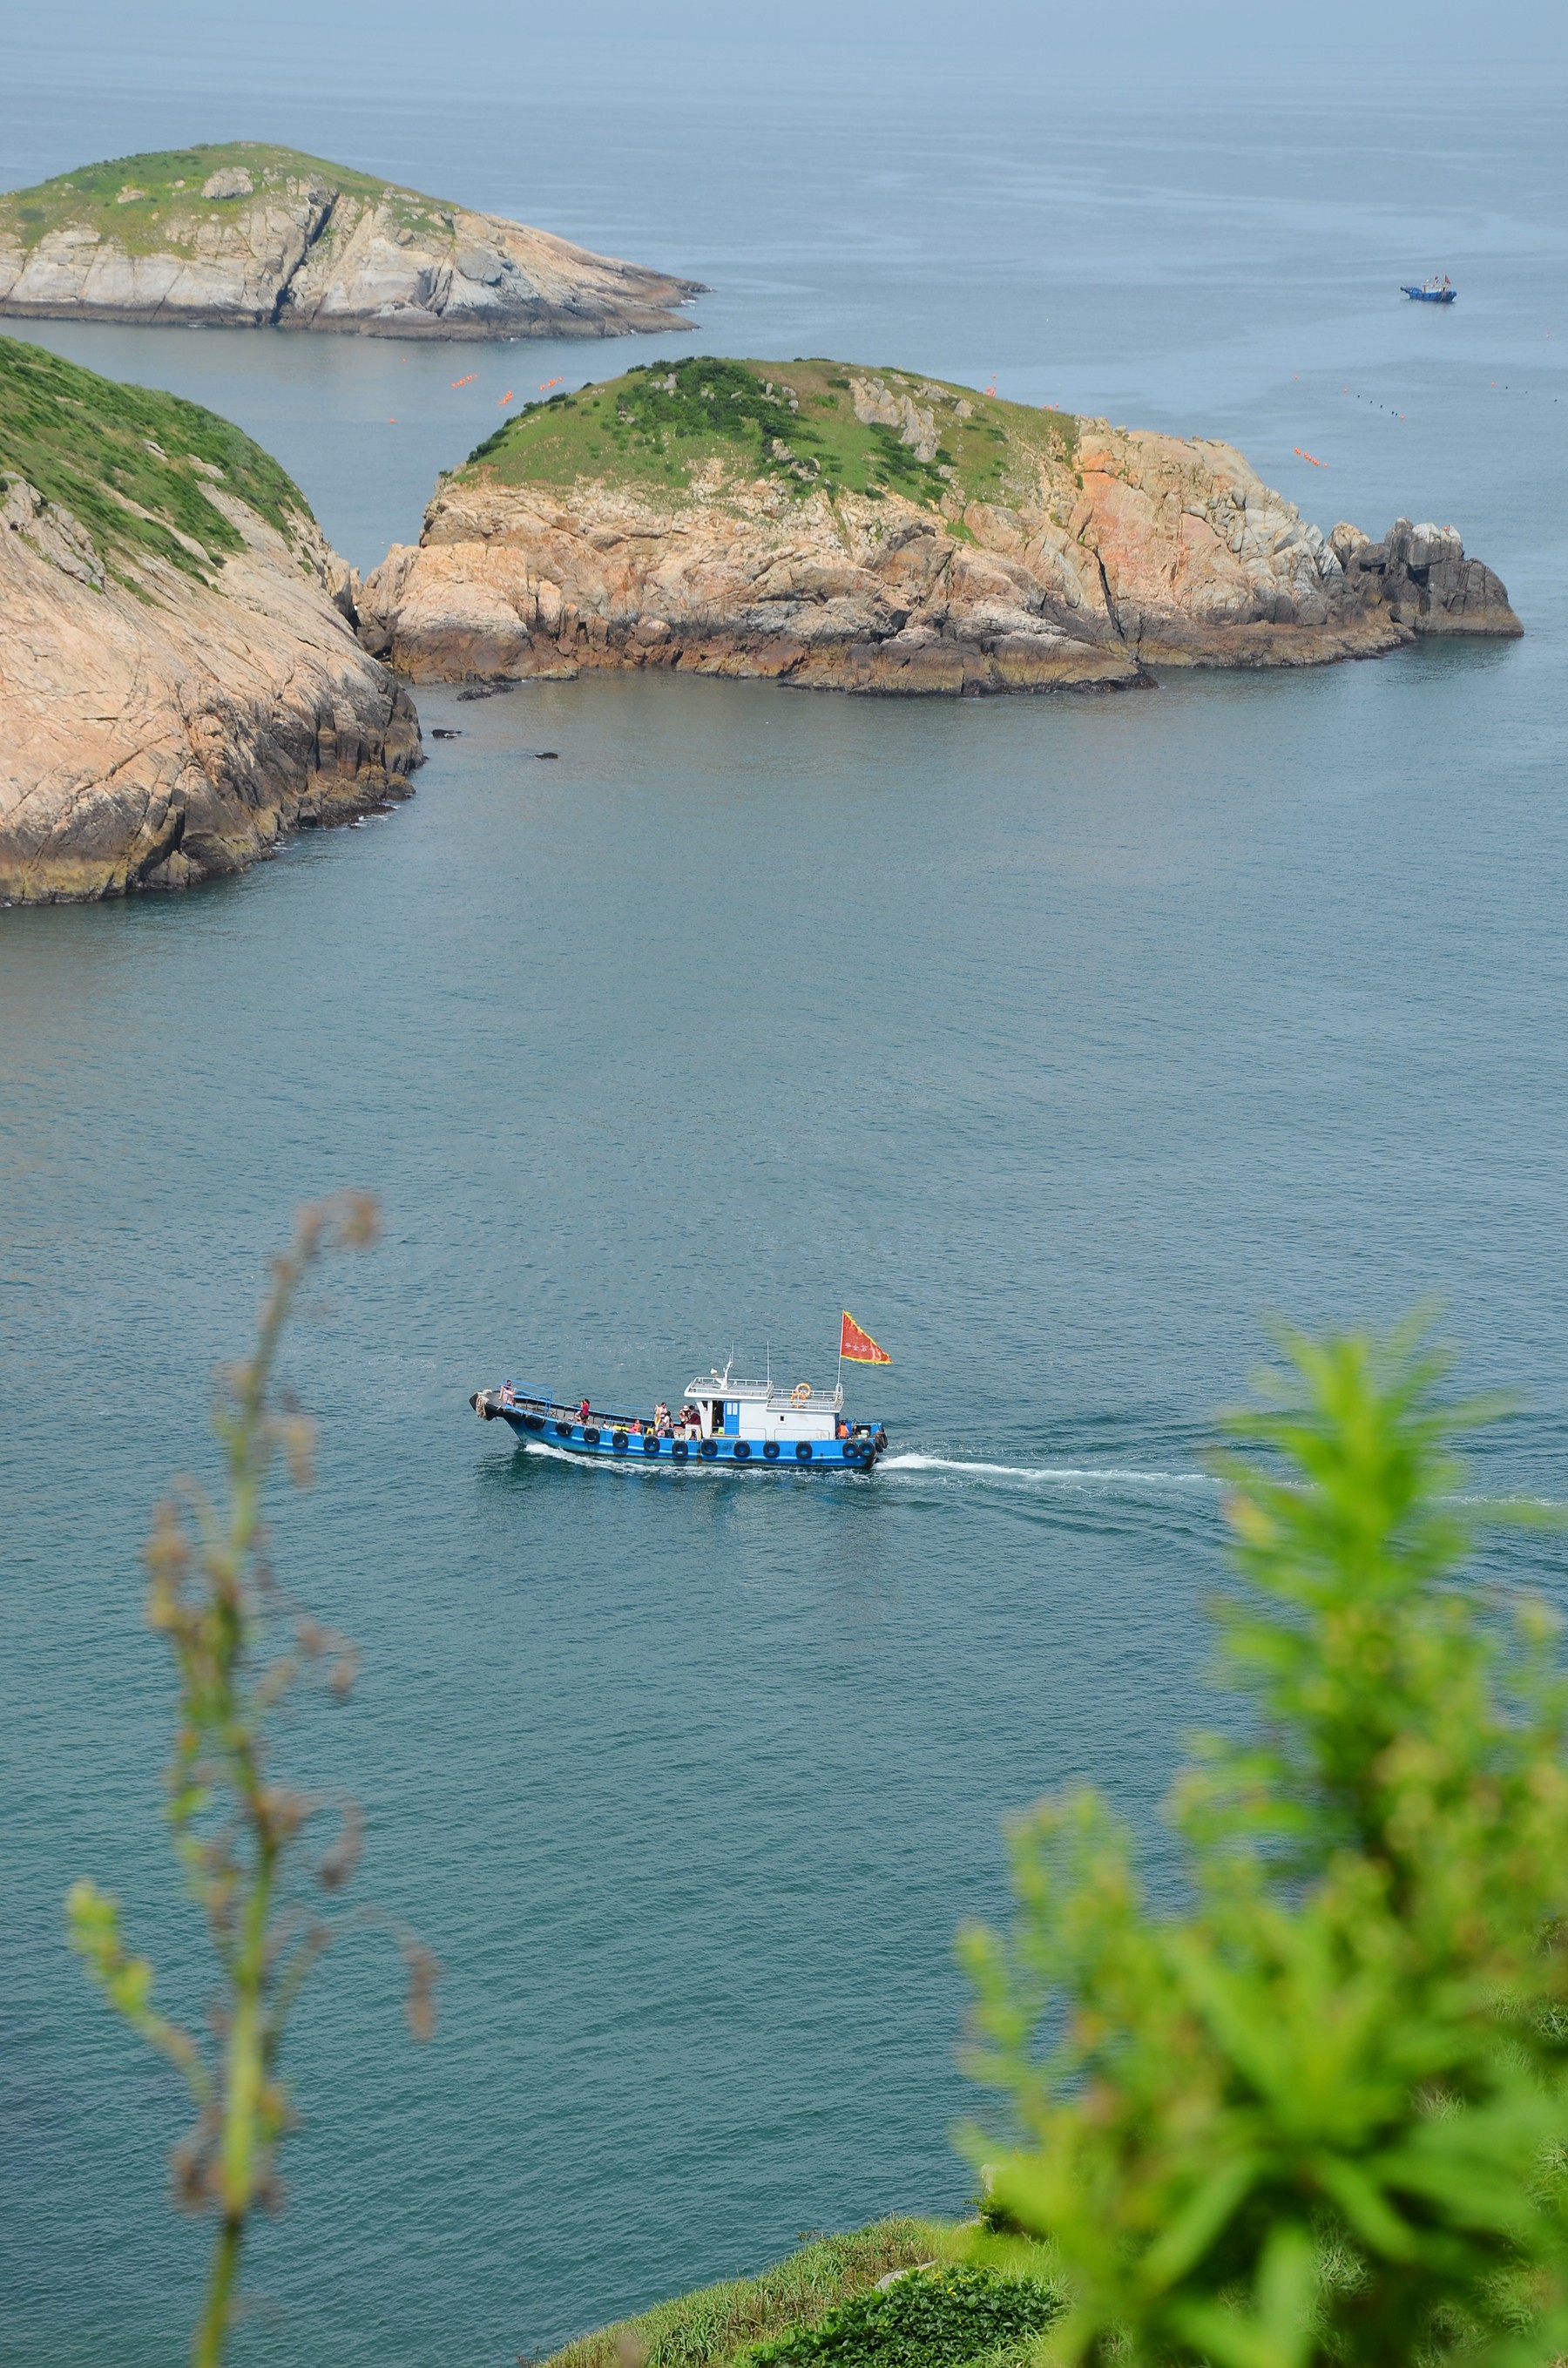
(179, 679)
(253, 234)
(878, 532)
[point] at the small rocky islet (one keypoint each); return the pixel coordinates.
(181, 681)
(247, 234)
(839, 527)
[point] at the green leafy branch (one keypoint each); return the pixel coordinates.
(236, 1826)
(1322, 2116)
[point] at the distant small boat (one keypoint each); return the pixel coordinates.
(1431, 292)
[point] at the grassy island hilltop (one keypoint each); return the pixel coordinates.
(135, 469)
(255, 235)
(159, 200)
(809, 426)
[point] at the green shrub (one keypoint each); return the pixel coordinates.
(708, 2328)
(1323, 2116)
(930, 2318)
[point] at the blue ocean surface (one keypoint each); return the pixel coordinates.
(1060, 1039)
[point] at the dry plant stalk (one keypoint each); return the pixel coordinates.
(241, 1835)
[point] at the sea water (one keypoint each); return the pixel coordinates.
(1060, 1039)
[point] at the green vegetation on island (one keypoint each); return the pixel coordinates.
(808, 425)
(153, 204)
(134, 467)
(826, 2306)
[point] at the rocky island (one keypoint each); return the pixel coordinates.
(254, 235)
(179, 677)
(870, 530)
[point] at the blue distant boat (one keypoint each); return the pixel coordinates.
(739, 1426)
(1431, 292)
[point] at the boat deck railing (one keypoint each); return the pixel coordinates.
(765, 1394)
(526, 1400)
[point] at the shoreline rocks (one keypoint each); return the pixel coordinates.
(1101, 554)
(256, 236)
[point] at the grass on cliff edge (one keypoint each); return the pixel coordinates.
(170, 209)
(819, 2287)
(122, 459)
(655, 427)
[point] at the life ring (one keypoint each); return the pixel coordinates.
(743, 1451)
(562, 1430)
(802, 1450)
(590, 1435)
(650, 1443)
(619, 1440)
(681, 1449)
(770, 1448)
(800, 1395)
(708, 1447)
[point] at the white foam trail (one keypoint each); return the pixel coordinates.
(1065, 1473)
(1065, 1476)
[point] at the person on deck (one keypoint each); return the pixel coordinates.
(582, 1411)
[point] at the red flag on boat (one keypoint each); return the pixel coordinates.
(858, 1347)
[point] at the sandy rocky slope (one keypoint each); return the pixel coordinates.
(164, 723)
(254, 235)
(1092, 562)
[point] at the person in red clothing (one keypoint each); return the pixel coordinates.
(582, 1411)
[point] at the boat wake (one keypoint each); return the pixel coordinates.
(946, 1471)
(1057, 1476)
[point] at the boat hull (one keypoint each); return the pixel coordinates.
(1430, 295)
(609, 1443)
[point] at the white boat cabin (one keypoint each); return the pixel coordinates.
(727, 1408)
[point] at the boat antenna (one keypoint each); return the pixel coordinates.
(767, 1361)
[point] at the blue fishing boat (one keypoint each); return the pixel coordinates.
(743, 1426)
(1431, 292)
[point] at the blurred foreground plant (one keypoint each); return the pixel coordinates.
(1323, 2116)
(241, 1835)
